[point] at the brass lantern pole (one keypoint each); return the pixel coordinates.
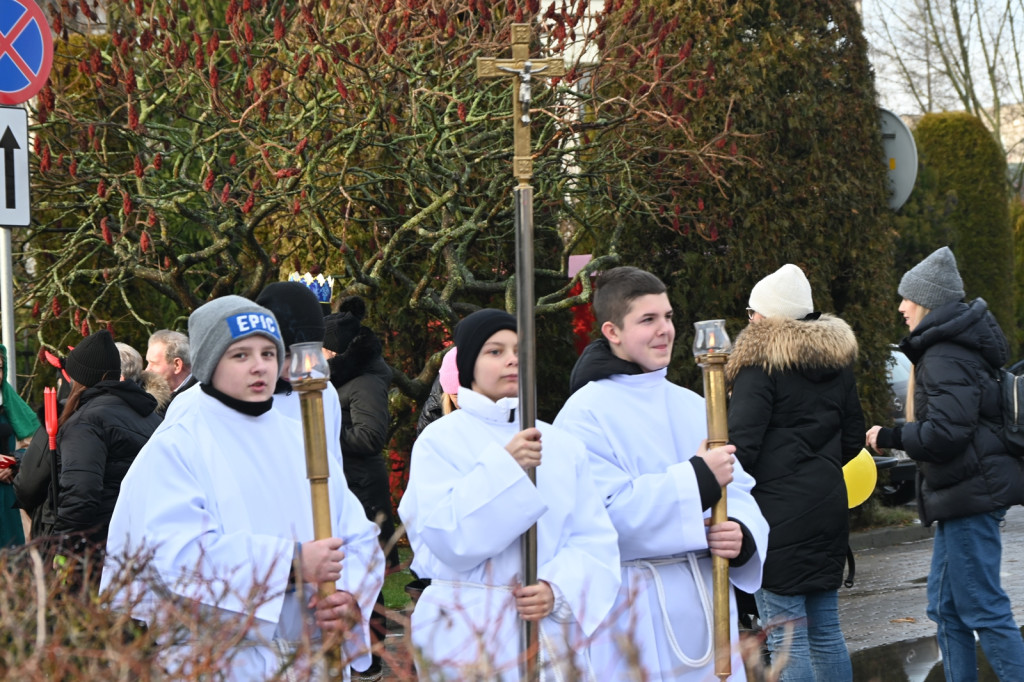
(711, 348)
(308, 374)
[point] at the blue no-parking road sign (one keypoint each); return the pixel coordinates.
(26, 50)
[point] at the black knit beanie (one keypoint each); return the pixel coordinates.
(93, 360)
(297, 310)
(472, 333)
(341, 328)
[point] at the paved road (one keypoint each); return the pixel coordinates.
(884, 615)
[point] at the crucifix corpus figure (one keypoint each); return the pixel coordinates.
(522, 67)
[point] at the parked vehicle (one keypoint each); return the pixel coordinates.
(896, 483)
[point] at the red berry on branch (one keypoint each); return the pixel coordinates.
(108, 236)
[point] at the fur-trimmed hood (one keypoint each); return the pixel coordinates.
(157, 386)
(777, 344)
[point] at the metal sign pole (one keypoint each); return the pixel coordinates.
(7, 303)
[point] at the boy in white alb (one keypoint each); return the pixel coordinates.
(220, 498)
(469, 500)
(658, 482)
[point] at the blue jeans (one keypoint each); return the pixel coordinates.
(816, 648)
(964, 597)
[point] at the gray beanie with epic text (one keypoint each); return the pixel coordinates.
(218, 324)
(933, 282)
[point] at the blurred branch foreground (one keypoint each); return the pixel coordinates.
(54, 629)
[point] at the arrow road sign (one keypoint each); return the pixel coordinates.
(8, 143)
(26, 50)
(14, 204)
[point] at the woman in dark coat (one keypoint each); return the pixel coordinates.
(795, 419)
(103, 425)
(966, 478)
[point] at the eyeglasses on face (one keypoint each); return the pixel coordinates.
(750, 313)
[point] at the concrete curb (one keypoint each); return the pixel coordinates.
(887, 537)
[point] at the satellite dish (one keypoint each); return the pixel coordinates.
(900, 157)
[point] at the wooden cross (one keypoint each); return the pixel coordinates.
(523, 69)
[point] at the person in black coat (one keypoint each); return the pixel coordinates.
(103, 425)
(795, 420)
(966, 477)
(444, 393)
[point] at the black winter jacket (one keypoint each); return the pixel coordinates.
(362, 379)
(795, 419)
(963, 466)
(95, 447)
(433, 408)
(33, 482)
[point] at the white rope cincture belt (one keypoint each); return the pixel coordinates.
(702, 592)
(550, 672)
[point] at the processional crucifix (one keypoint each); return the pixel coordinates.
(522, 68)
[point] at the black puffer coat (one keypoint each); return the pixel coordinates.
(795, 419)
(362, 379)
(963, 466)
(95, 447)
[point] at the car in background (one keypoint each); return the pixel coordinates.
(897, 471)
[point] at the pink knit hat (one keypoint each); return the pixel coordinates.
(449, 373)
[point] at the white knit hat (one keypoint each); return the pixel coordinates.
(784, 293)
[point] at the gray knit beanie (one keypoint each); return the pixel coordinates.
(784, 293)
(218, 324)
(933, 282)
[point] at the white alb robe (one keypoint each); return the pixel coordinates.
(220, 498)
(286, 403)
(641, 430)
(465, 508)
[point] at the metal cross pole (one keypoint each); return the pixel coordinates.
(523, 68)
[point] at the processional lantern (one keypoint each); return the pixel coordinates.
(711, 347)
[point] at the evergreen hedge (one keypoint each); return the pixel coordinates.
(792, 95)
(965, 159)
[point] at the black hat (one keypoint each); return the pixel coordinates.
(93, 360)
(297, 310)
(472, 333)
(341, 328)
